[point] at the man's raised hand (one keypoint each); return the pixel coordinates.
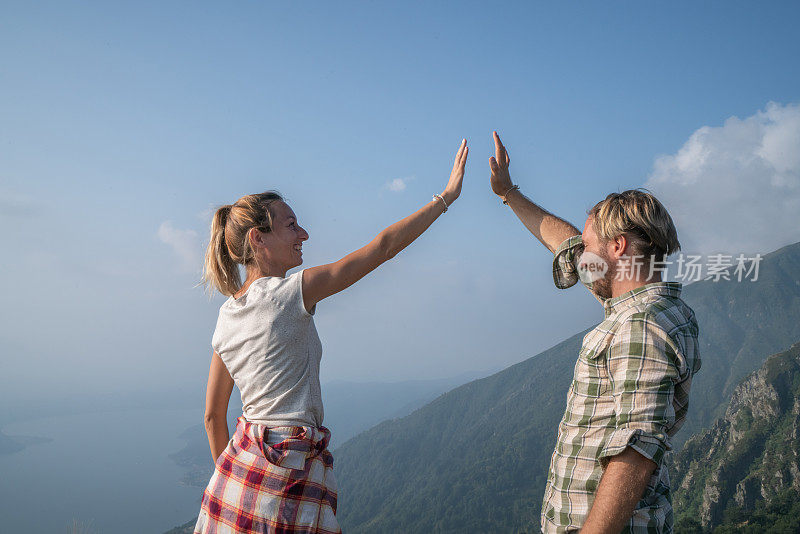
(500, 179)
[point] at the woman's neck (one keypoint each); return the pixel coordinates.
(255, 275)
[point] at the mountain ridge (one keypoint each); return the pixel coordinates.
(749, 458)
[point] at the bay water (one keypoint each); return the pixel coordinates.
(98, 472)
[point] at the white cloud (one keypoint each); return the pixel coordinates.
(184, 243)
(397, 185)
(736, 187)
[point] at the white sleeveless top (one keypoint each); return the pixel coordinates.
(270, 346)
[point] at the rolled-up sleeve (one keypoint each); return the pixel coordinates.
(565, 262)
(643, 368)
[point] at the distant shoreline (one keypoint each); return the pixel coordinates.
(13, 444)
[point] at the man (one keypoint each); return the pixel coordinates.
(630, 391)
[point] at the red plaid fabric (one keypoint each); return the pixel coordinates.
(271, 479)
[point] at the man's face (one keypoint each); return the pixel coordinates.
(596, 256)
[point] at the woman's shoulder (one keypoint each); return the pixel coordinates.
(275, 287)
(276, 283)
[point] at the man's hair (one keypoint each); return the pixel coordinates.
(643, 220)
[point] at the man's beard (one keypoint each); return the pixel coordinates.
(602, 286)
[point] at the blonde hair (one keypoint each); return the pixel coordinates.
(229, 245)
(643, 220)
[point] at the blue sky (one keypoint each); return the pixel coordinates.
(122, 126)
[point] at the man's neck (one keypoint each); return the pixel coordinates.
(620, 287)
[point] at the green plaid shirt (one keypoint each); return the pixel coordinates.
(630, 389)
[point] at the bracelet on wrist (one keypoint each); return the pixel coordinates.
(510, 189)
(440, 197)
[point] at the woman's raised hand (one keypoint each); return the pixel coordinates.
(453, 189)
(326, 280)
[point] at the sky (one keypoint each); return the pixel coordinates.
(124, 126)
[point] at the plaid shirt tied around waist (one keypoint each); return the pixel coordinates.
(630, 389)
(271, 480)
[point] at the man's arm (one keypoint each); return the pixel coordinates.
(622, 486)
(552, 231)
(549, 229)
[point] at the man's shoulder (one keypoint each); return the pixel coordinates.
(663, 326)
(667, 313)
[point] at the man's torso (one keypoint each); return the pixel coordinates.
(593, 405)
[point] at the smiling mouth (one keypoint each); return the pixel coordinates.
(299, 248)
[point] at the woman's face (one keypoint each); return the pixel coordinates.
(284, 243)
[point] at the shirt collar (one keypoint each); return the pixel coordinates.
(634, 296)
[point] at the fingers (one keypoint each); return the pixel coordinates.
(493, 165)
(501, 152)
(460, 154)
(461, 157)
(463, 161)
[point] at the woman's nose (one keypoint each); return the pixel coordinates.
(303, 234)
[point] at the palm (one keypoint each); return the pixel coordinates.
(453, 188)
(500, 179)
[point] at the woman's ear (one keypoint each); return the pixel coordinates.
(255, 237)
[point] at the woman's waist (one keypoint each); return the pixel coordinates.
(284, 414)
(300, 405)
(280, 428)
(284, 445)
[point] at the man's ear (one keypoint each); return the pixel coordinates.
(620, 246)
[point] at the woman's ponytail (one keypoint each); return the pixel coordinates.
(228, 245)
(220, 271)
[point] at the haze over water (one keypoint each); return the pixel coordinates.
(107, 470)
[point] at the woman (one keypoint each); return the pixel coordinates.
(276, 474)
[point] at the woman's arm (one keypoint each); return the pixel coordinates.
(218, 393)
(326, 280)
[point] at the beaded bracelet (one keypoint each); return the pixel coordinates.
(510, 189)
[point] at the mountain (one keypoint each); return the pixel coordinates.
(353, 407)
(186, 528)
(740, 323)
(476, 458)
(743, 474)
